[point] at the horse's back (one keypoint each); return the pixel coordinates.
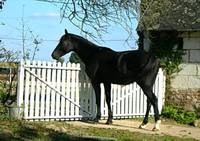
(134, 59)
(123, 67)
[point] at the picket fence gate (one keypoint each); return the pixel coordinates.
(53, 91)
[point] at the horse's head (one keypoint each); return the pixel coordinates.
(64, 46)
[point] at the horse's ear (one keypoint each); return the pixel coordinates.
(66, 32)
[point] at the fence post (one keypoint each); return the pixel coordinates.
(20, 87)
(77, 96)
(26, 91)
(162, 88)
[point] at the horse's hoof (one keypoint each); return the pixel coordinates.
(96, 120)
(109, 122)
(156, 129)
(143, 126)
(157, 126)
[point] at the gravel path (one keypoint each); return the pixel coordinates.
(132, 125)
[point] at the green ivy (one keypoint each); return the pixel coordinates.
(168, 47)
(3, 94)
(3, 112)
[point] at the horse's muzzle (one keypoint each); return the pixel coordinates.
(54, 56)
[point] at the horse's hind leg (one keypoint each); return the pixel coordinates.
(146, 118)
(154, 101)
(107, 87)
(151, 100)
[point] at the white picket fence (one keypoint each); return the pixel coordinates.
(50, 90)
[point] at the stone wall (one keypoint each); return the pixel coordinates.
(185, 86)
(191, 46)
(187, 78)
(186, 83)
(188, 99)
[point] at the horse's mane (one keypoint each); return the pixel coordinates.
(83, 39)
(89, 43)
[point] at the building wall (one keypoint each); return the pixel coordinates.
(191, 46)
(186, 83)
(188, 78)
(185, 87)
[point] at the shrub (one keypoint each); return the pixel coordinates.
(179, 115)
(197, 110)
(2, 94)
(3, 112)
(169, 112)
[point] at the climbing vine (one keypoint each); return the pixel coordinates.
(168, 47)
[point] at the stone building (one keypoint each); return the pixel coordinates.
(181, 17)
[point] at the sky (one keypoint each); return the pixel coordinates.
(42, 20)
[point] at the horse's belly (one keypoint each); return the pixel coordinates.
(122, 82)
(117, 78)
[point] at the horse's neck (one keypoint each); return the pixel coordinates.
(85, 51)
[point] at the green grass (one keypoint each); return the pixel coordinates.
(61, 131)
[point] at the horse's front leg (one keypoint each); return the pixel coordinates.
(107, 87)
(97, 90)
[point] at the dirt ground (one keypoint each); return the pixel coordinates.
(132, 125)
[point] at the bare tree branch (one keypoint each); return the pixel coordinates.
(2, 3)
(93, 17)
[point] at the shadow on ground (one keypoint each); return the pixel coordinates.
(24, 132)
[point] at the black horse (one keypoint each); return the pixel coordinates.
(106, 66)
